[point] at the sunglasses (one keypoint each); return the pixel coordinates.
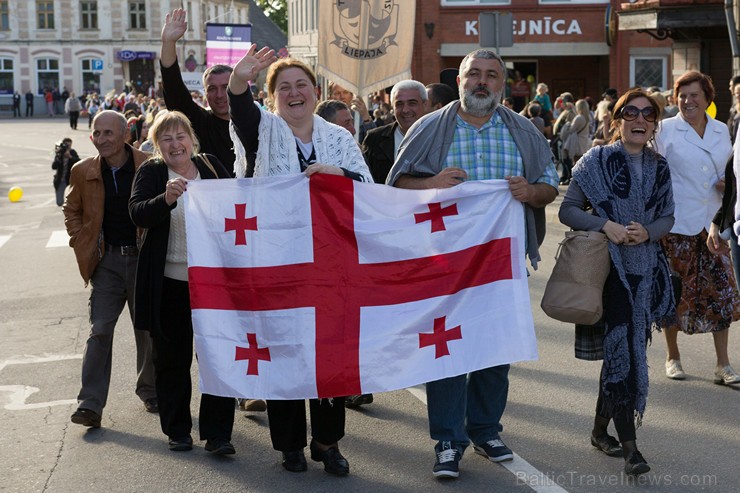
(630, 113)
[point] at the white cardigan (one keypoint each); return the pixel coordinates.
(696, 165)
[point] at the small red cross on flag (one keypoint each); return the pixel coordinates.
(342, 286)
(440, 337)
(436, 215)
(240, 224)
(253, 354)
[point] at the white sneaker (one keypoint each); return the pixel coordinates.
(674, 371)
(726, 376)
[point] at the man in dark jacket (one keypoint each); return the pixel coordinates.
(104, 240)
(211, 125)
(380, 147)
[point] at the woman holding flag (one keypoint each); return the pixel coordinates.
(293, 140)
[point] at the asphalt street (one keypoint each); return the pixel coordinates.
(690, 434)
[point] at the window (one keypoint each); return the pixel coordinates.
(90, 77)
(137, 15)
(89, 12)
(646, 71)
(47, 73)
(6, 75)
(4, 16)
(45, 15)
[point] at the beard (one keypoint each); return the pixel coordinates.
(479, 106)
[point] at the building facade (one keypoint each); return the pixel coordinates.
(98, 45)
(571, 45)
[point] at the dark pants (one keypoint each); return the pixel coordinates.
(623, 421)
(173, 355)
(112, 288)
(29, 109)
(288, 422)
(16, 110)
(73, 117)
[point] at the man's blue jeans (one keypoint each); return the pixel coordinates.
(468, 407)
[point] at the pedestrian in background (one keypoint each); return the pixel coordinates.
(73, 106)
(29, 103)
(104, 241)
(64, 158)
(697, 148)
(16, 104)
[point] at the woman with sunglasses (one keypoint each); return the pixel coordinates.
(697, 148)
(627, 186)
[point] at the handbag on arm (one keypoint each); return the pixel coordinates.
(574, 291)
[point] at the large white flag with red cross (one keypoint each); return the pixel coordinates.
(328, 287)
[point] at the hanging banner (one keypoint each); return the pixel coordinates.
(227, 43)
(362, 46)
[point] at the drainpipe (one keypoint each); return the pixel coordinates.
(732, 30)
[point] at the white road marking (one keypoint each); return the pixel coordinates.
(525, 472)
(19, 393)
(3, 239)
(58, 239)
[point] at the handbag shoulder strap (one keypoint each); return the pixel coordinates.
(204, 158)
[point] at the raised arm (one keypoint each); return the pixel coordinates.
(175, 25)
(249, 67)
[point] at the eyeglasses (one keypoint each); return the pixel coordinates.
(630, 113)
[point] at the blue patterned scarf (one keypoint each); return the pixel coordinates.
(638, 290)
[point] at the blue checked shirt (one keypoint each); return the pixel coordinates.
(490, 153)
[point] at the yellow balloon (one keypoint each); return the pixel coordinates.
(712, 110)
(15, 194)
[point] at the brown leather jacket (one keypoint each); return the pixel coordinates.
(83, 211)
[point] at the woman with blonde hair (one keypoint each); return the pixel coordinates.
(162, 296)
(576, 140)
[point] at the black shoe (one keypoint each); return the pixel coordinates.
(295, 461)
(220, 447)
(181, 444)
(151, 405)
(86, 417)
(358, 400)
(635, 464)
(607, 444)
(334, 461)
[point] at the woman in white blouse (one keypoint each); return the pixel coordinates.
(697, 148)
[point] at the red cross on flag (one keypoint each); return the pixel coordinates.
(327, 287)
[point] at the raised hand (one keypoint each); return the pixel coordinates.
(253, 63)
(175, 25)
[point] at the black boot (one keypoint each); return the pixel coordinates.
(634, 463)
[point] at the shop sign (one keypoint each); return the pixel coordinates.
(533, 27)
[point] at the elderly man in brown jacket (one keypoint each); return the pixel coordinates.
(104, 241)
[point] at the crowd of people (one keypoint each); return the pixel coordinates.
(662, 191)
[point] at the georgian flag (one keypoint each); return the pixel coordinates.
(327, 287)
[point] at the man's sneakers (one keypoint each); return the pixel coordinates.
(86, 417)
(448, 461)
(494, 450)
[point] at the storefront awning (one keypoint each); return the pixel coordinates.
(676, 18)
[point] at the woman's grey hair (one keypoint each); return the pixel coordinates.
(409, 84)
